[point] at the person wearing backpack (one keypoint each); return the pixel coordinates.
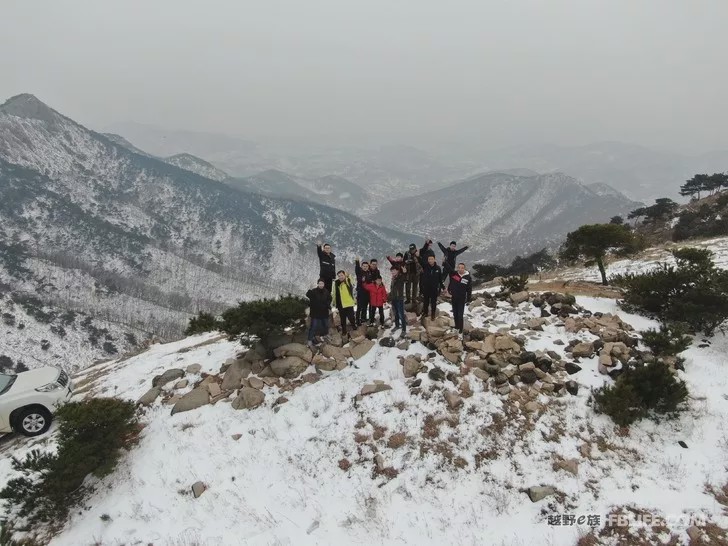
(461, 290)
(327, 264)
(343, 298)
(377, 297)
(320, 304)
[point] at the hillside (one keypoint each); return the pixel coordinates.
(88, 225)
(331, 457)
(502, 215)
(196, 165)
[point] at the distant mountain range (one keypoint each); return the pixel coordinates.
(502, 215)
(87, 224)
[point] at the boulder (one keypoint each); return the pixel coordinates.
(256, 383)
(149, 397)
(387, 342)
(605, 360)
(337, 353)
(360, 349)
(181, 384)
(540, 492)
(289, 367)
(294, 349)
(166, 377)
(519, 297)
(582, 350)
(489, 344)
(506, 343)
(437, 374)
(234, 375)
(372, 388)
(192, 400)
(323, 363)
(572, 387)
(248, 398)
(569, 465)
(198, 488)
(436, 331)
(410, 366)
(480, 374)
(193, 368)
(572, 368)
(451, 357)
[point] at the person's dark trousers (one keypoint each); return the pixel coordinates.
(411, 289)
(347, 313)
(327, 283)
(362, 306)
(319, 326)
(430, 302)
(458, 310)
(372, 311)
(400, 319)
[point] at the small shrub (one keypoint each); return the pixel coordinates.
(45, 344)
(90, 437)
(641, 392)
(110, 348)
(668, 341)
(6, 364)
(261, 318)
(515, 284)
(9, 319)
(20, 367)
(203, 322)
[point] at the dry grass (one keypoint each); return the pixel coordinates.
(720, 494)
(629, 535)
(576, 288)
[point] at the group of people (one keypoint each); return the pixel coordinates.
(415, 276)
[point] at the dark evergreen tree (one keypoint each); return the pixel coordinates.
(594, 241)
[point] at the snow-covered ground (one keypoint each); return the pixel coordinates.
(281, 482)
(648, 260)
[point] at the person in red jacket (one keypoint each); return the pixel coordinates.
(377, 297)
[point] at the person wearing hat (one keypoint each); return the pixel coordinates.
(414, 270)
(320, 303)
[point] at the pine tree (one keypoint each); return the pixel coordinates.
(594, 241)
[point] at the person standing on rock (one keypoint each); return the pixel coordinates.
(374, 272)
(397, 262)
(327, 264)
(412, 277)
(396, 296)
(461, 291)
(430, 284)
(363, 276)
(320, 304)
(424, 254)
(377, 296)
(451, 255)
(343, 298)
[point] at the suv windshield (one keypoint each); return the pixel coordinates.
(6, 381)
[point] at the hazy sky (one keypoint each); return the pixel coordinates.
(413, 71)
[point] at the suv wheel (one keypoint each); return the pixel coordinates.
(32, 421)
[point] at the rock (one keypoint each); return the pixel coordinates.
(572, 368)
(572, 387)
(234, 375)
(582, 350)
(569, 465)
(323, 363)
(492, 369)
(248, 398)
(289, 367)
(198, 488)
(605, 360)
(181, 384)
(545, 313)
(559, 342)
(403, 345)
(527, 356)
(436, 374)
(360, 349)
(337, 353)
(166, 377)
(544, 363)
(213, 389)
(193, 368)
(535, 324)
(506, 343)
(540, 492)
(481, 374)
(236, 437)
(489, 345)
(451, 357)
(150, 396)
(379, 462)
(501, 379)
(374, 388)
(695, 534)
(532, 406)
(453, 400)
(294, 349)
(410, 367)
(387, 342)
(372, 332)
(192, 400)
(519, 297)
(435, 331)
(682, 444)
(256, 383)
(504, 389)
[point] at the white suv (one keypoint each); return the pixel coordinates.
(27, 400)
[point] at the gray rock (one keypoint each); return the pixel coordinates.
(360, 349)
(374, 388)
(198, 488)
(453, 400)
(234, 375)
(193, 368)
(150, 396)
(294, 349)
(540, 492)
(248, 398)
(289, 367)
(572, 387)
(410, 367)
(192, 400)
(166, 377)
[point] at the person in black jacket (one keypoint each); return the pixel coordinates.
(327, 264)
(396, 296)
(430, 285)
(412, 277)
(363, 276)
(461, 290)
(451, 254)
(374, 272)
(320, 303)
(424, 253)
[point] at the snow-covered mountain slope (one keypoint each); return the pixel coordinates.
(33, 334)
(196, 165)
(644, 261)
(501, 215)
(403, 466)
(89, 222)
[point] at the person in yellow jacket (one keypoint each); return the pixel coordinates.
(342, 296)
